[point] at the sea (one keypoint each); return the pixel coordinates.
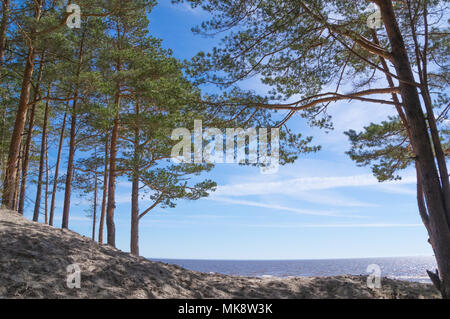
(402, 268)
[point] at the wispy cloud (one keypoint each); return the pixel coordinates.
(238, 223)
(316, 190)
(377, 225)
(325, 197)
(74, 218)
(299, 211)
(397, 189)
(296, 185)
(188, 9)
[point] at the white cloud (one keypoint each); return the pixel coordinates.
(238, 223)
(318, 190)
(377, 225)
(74, 218)
(299, 211)
(330, 198)
(306, 184)
(397, 189)
(346, 116)
(187, 8)
(356, 115)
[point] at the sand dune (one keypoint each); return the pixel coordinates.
(34, 259)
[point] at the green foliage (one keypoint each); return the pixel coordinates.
(307, 50)
(384, 145)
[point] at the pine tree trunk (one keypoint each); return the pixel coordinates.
(18, 173)
(111, 229)
(439, 227)
(71, 159)
(16, 138)
(26, 159)
(105, 194)
(46, 181)
(134, 242)
(422, 64)
(94, 216)
(70, 165)
(3, 28)
(37, 203)
(2, 149)
(19, 125)
(26, 155)
(55, 179)
(440, 156)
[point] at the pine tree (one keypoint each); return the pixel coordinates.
(127, 26)
(302, 48)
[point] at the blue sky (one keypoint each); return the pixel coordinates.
(323, 206)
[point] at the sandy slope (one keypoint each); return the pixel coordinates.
(34, 257)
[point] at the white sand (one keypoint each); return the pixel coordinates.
(34, 257)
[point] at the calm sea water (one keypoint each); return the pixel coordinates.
(404, 268)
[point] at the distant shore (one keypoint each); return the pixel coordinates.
(34, 259)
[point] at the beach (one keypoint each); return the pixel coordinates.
(34, 262)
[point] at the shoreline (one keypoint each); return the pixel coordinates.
(35, 257)
(424, 280)
(411, 268)
(269, 260)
